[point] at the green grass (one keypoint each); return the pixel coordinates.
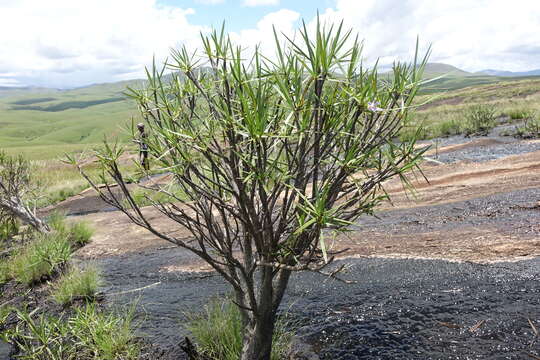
(9, 226)
(4, 271)
(88, 334)
(218, 332)
(77, 234)
(479, 120)
(48, 123)
(146, 197)
(80, 234)
(530, 129)
(40, 259)
(448, 113)
(77, 283)
(519, 113)
(4, 313)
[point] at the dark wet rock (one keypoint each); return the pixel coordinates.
(300, 350)
(497, 147)
(5, 350)
(515, 212)
(413, 309)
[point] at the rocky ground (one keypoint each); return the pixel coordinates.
(451, 272)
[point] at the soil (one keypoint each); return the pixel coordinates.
(451, 272)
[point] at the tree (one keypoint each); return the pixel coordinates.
(17, 191)
(270, 155)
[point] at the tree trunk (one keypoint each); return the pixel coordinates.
(258, 333)
(258, 339)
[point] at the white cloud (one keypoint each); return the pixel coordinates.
(253, 3)
(66, 43)
(470, 34)
(262, 35)
(210, 2)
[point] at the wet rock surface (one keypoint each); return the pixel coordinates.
(414, 309)
(516, 212)
(5, 350)
(491, 147)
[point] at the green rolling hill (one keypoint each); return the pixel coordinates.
(44, 123)
(47, 122)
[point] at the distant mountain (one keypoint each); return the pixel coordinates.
(438, 69)
(510, 73)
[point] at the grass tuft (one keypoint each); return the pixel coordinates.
(4, 271)
(519, 113)
(218, 332)
(529, 130)
(448, 128)
(479, 120)
(40, 259)
(57, 222)
(87, 335)
(80, 234)
(9, 226)
(77, 284)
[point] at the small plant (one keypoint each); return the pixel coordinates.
(40, 259)
(80, 234)
(479, 120)
(519, 113)
(88, 335)
(9, 226)
(57, 222)
(4, 271)
(418, 133)
(4, 313)
(529, 130)
(77, 284)
(448, 128)
(218, 332)
(146, 197)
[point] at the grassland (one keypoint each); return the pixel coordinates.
(44, 124)
(511, 101)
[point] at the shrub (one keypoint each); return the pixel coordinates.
(77, 284)
(218, 332)
(269, 156)
(40, 259)
(479, 120)
(88, 334)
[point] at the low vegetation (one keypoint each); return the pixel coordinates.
(475, 109)
(47, 253)
(77, 283)
(40, 259)
(218, 332)
(68, 105)
(4, 271)
(9, 226)
(88, 334)
(479, 120)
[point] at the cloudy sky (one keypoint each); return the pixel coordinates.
(69, 43)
